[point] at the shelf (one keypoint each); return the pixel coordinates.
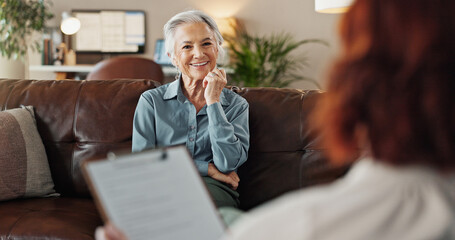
(64, 71)
(168, 71)
(55, 68)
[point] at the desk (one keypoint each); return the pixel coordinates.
(63, 72)
(69, 72)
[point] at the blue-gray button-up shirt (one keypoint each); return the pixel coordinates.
(218, 133)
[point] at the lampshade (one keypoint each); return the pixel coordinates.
(332, 6)
(70, 25)
(227, 26)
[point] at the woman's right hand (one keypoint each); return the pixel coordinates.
(232, 179)
(109, 232)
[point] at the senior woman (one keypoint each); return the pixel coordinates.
(196, 109)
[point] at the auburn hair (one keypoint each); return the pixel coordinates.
(395, 77)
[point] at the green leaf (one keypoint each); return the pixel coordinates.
(266, 61)
(19, 19)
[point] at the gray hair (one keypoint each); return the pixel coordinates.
(193, 16)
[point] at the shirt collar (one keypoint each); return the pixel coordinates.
(174, 90)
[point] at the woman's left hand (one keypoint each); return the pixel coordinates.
(214, 83)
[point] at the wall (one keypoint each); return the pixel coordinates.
(11, 68)
(259, 16)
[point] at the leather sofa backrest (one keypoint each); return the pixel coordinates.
(77, 120)
(285, 153)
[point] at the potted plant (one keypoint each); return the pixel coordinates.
(266, 61)
(19, 19)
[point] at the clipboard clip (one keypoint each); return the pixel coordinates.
(163, 154)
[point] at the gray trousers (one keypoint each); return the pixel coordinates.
(221, 193)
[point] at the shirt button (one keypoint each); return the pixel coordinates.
(191, 139)
(192, 127)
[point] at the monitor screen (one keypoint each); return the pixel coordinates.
(110, 31)
(160, 56)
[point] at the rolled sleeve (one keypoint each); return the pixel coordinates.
(202, 167)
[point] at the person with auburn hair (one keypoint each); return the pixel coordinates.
(390, 96)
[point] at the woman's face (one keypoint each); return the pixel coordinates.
(195, 50)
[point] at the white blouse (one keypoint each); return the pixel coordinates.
(373, 201)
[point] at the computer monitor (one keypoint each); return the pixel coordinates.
(160, 56)
(110, 31)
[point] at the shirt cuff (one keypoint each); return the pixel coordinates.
(202, 167)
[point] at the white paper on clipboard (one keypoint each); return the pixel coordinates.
(151, 195)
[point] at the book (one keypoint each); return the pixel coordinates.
(44, 58)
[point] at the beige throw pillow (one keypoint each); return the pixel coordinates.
(24, 169)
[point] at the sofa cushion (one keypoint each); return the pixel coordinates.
(24, 169)
(54, 218)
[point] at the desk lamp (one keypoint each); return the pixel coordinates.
(69, 26)
(332, 6)
(228, 28)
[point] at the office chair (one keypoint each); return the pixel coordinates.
(127, 67)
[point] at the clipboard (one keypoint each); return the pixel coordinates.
(155, 194)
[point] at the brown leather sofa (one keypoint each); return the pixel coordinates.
(79, 120)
